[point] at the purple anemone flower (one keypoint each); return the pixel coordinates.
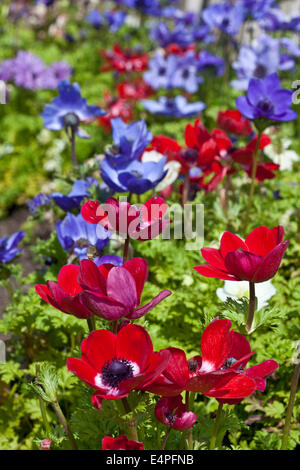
(69, 109)
(228, 18)
(75, 235)
(8, 247)
(79, 191)
(266, 99)
(38, 201)
(173, 107)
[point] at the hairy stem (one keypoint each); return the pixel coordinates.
(289, 411)
(64, 424)
(213, 440)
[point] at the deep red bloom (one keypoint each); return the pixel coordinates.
(121, 443)
(245, 157)
(175, 49)
(256, 259)
(218, 372)
(144, 223)
(124, 60)
(209, 146)
(115, 107)
(172, 412)
(113, 292)
(65, 295)
(117, 364)
(134, 91)
(234, 122)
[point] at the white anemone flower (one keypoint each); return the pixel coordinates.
(238, 289)
(282, 155)
(173, 168)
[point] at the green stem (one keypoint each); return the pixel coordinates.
(164, 441)
(132, 422)
(253, 180)
(289, 411)
(189, 401)
(185, 192)
(64, 424)
(213, 440)
(91, 324)
(44, 417)
(73, 151)
(251, 307)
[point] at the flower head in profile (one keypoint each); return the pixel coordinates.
(178, 107)
(69, 109)
(266, 100)
(8, 247)
(80, 190)
(172, 412)
(257, 259)
(232, 121)
(121, 443)
(115, 365)
(141, 223)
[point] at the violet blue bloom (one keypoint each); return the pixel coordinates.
(276, 20)
(256, 9)
(79, 191)
(129, 141)
(228, 18)
(180, 34)
(38, 201)
(8, 247)
(115, 19)
(266, 99)
(208, 60)
(95, 19)
(137, 177)
(75, 235)
(160, 71)
(69, 109)
(177, 107)
(186, 75)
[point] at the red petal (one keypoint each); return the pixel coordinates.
(243, 264)
(83, 370)
(44, 292)
(240, 346)
(230, 242)
(261, 241)
(90, 277)
(270, 265)
(209, 271)
(121, 287)
(140, 312)
(215, 345)
(214, 258)
(134, 344)
(67, 279)
(138, 269)
(98, 348)
(240, 386)
(103, 306)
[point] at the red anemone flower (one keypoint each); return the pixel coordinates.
(257, 259)
(208, 146)
(121, 443)
(113, 292)
(115, 107)
(172, 412)
(124, 60)
(234, 122)
(144, 223)
(245, 157)
(218, 372)
(115, 365)
(134, 91)
(66, 295)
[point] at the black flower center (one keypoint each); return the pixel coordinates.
(185, 74)
(191, 156)
(260, 71)
(82, 243)
(225, 22)
(115, 371)
(162, 71)
(192, 365)
(170, 418)
(265, 105)
(228, 363)
(71, 120)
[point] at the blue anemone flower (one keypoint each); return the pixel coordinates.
(75, 235)
(38, 201)
(95, 18)
(173, 107)
(69, 109)
(224, 16)
(71, 201)
(129, 141)
(266, 99)
(137, 177)
(8, 247)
